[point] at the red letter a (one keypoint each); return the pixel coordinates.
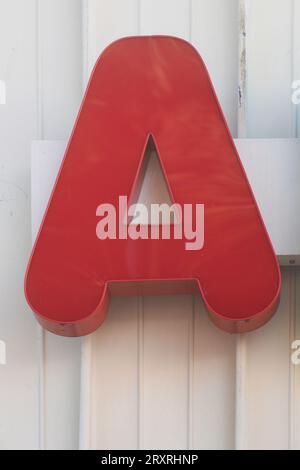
(151, 86)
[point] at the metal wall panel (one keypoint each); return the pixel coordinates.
(41, 65)
(270, 54)
(18, 123)
(179, 414)
(60, 89)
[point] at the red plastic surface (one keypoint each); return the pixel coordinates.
(155, 86)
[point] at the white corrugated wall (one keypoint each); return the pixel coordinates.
(158, 374)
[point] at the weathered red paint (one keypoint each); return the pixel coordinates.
(158, 86)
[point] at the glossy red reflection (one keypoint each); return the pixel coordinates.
(154, 86)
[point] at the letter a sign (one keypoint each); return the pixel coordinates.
(151, 90)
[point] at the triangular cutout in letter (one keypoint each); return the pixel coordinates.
(150, 186)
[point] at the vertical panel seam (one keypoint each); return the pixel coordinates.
(40, 135)
(140, 371)
(241, 342)
(191, 359)
(85, 394)
(39, 62)
(294, 110)
(191, 332)
(84, 437)
(41, 373)
(140, 325)
(242, 85)
(241, 364)
(292, 330)
(190, 20)
(139, 20)
(85, 45)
